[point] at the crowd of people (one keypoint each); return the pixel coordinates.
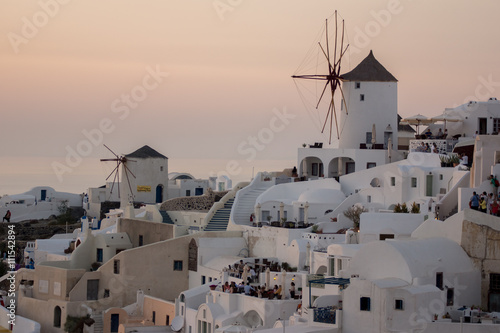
(486, 203)
(439, 135)
(256, 291)
(249, 276)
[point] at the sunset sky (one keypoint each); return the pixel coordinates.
(207, 75)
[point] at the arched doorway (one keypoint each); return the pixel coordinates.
(340, 166)
(311, 167)
(57, 316)
(159, 193)
(253, 319)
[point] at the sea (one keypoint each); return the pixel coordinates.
(20, 174)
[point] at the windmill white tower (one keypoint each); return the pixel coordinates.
(370, 91)
(125, 193)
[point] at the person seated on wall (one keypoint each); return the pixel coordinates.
(428, 133)
(439, 134)
(422, 148)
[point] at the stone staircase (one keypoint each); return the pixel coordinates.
(98, 324)
(166, 217)
(221, 218)
(452, 212)
(245, 205)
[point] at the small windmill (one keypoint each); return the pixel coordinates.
(125, 198)
(332, 78)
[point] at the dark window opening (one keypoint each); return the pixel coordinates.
(398, 304)
(386, 236)
(364, 304)
(450, 294)
(177, 265)
(439, 280)
(116, 266)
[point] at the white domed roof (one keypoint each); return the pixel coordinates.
(322, 195)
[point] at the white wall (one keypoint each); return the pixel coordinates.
(379, 107)
(149, 172)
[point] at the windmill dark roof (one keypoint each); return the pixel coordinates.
(369, 70)
(146, 152)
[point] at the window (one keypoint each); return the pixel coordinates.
(386, 236)
(369, 198)
(167, 321)
(496, 125)
(188, 193)
(364, 304)
(332, 266)
(439, 280)
(203, 279)
(494, 281)
(370, 165)
(177, 265)
(141, 240)
(398, 304)
(450, 293)
(357, 85)
(99, 255)
(209, 279)
(106, 293)
(161, 168)
(368, 137)
(154, 317)
(314, 169)
(441, 177)
(413, 182)
(393, 181)
(116, 266)
(362, 97)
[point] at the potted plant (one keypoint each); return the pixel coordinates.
(444, 160)
(213, 286)
(415, 209)
(354, 214)
(454, 160)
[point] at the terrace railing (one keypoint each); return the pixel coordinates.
(326, 315)
(443, 146)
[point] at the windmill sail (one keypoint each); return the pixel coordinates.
(331, 57)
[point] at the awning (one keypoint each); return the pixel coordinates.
(177, 323)
(329, 280)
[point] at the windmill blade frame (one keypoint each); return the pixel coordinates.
(333, 78)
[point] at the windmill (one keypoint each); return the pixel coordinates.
(120, 161)
(332, 79)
